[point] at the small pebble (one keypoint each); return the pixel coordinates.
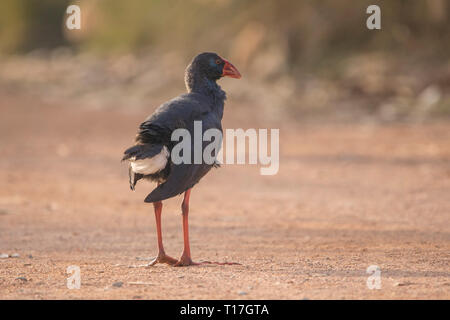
(242, 293)
(3, 255)
(22, 278)
(15, 255)
(118, 284)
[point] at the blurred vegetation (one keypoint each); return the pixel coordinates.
(29, 24)
(319, 51)
(307, 30)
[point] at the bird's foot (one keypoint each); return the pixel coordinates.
(162, 258)
(187, 261)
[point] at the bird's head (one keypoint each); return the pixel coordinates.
(211, 66)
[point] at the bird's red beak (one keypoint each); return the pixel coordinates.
(230, 71)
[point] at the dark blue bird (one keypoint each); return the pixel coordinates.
(150, 157)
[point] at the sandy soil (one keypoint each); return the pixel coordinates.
(346, 197)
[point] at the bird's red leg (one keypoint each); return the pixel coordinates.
(162, 257)
(185, 259)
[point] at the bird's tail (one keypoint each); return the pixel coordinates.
(138, 152)
(134, 177)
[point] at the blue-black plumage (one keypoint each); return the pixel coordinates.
(150, 157)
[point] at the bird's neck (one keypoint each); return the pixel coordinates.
(201, 84)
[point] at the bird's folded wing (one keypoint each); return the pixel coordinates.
(182, 177)
(177, 113)
(142, 151)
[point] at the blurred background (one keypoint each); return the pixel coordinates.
(300, 59)
(364, 172)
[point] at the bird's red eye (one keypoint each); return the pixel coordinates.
(218, 61)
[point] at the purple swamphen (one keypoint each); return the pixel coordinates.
(150, 157)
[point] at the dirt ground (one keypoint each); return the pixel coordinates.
(347, 196)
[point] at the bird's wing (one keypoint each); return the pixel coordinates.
(142, 151)
(180, 112)
(182, 177)
(174, 114)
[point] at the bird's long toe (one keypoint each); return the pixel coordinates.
(225, 263)
(187, 261)
(162, 258)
